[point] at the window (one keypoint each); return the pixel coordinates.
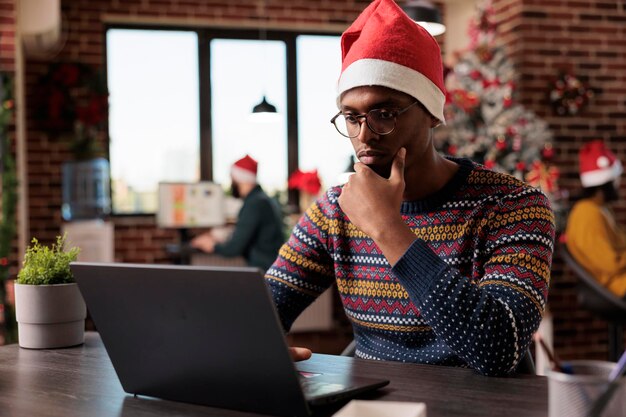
(153, 114)
(242, 72)
(182, 112)
(319, 145)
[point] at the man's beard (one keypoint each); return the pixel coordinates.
(382, 170)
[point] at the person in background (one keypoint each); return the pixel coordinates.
(592, 236)
(258, 233)
(437, 260)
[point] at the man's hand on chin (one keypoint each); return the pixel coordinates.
(371, 201)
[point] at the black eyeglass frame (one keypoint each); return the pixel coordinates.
(394, 112)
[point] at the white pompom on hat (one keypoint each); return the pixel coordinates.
(384, 47)
(244, 170)
(598, 165)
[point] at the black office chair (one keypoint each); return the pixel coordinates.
(525, 367)
(597, 299)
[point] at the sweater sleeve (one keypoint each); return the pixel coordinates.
(248, 220)
(303, 269)
(488, 320)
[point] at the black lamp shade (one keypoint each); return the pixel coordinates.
(264, 107)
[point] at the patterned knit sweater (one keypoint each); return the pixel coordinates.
(469, 292)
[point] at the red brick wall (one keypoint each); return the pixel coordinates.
(7, 35)
(587, 38)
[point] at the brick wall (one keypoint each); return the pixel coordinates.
(7, 35)
(587, 38)
(584, 37)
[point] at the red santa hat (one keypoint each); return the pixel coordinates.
(244, 170)
(385, 47)
(598, 165)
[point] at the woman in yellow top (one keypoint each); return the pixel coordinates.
(592, 236)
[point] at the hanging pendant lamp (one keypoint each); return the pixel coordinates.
(264, 111)
(264, 107)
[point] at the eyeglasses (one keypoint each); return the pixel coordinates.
(379, 121)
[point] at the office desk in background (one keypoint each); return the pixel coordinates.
(81, 381)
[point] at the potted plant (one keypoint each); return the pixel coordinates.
(49, 308)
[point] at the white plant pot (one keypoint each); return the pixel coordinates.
(50, 316)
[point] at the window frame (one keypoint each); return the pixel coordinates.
(205, 36)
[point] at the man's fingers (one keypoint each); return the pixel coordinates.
(360, 166)
(397, 167)
(300, 353)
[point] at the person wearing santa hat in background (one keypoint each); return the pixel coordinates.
(436, 259)
(258, 233)
(592, 234)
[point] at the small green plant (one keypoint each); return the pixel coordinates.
(45, 265)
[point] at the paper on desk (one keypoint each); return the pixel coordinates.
(361, 408)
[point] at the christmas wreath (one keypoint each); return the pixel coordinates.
(568, 95)
(76, 106)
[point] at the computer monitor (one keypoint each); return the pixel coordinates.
(190, 204)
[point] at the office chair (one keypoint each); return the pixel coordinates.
(597, 299)
(525, 367)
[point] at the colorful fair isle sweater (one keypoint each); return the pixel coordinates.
(469, 292)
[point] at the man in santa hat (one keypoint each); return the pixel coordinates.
(258, 233)
(592, 235)
(437, 260)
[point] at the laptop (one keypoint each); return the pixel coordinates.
(204, 335)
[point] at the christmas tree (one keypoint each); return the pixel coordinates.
(483, 120)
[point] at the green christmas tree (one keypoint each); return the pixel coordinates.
(483, 120)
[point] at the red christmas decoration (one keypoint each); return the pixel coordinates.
(543, 177)
(548, 152)
(466, 100)
(307, 182)
(501, 144)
